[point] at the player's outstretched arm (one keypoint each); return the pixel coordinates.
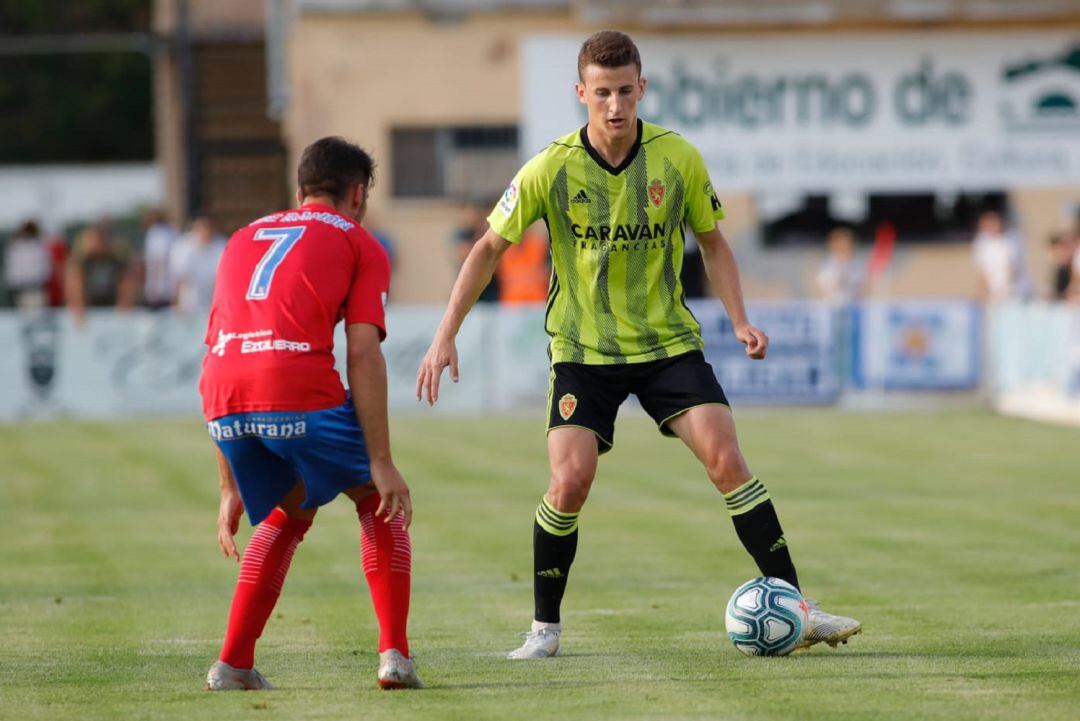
(366, 371)
(723, 272)
(230, 509)
(475, 274)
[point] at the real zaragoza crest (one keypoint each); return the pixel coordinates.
(656, 191)
(567, 406)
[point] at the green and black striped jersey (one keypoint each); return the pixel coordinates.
(617, 238)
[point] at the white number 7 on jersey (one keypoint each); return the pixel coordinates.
(284, 240)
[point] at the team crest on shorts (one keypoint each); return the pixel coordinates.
(656, 191)
(567, 406)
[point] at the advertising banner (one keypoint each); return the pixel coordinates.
(802, 366)
(118, 365)
(409, 331)
(502, 358)
(115, 365)
(522, 368)
(917, 345)
(896, 111)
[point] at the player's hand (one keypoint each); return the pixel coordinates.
(442, 353)
(393, 493)
(228, 523)
(755, 340)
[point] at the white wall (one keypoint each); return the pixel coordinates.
(56, 195)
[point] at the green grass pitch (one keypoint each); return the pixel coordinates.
(954, 537)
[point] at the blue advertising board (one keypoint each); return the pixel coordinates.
(802, 366)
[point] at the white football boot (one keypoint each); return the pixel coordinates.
(396, 671)
(541, 642)
(833, 630)
(223, 677)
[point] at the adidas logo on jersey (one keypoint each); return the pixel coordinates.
(581, 197)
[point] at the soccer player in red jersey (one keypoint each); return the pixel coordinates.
(289, 438)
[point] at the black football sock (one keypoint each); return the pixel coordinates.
(554, 545)
(759, 530)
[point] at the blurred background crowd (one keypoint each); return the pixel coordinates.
(157, 265)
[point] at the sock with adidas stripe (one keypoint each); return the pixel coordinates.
(554, 545)
(759, 530)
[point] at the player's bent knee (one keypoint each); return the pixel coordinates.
(569, 489)
(727, 468)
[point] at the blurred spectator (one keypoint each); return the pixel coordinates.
(841, 278)
(99, 273)
(57, 251)
(524, 272)
(1073, 292)
(694, 280)
(158, 291)
(26, 267)
(193, 264)
(998, 258)
(473, 225)
(1063, 252)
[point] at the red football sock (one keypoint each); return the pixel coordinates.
(262, 572)
(386, 552)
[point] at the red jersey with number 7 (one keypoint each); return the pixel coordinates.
(284, 283)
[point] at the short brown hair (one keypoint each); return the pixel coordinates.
(608, 49)
(332, 166)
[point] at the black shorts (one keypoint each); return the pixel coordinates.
(589, 396)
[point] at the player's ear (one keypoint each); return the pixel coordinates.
(579, 88)
(299, 196)
(642, 82)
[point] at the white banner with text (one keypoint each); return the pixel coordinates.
(884, 112)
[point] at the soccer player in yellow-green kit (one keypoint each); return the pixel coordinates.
(616, 196)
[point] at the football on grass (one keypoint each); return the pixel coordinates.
(766, 617)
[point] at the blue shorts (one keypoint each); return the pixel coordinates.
(269, 452)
